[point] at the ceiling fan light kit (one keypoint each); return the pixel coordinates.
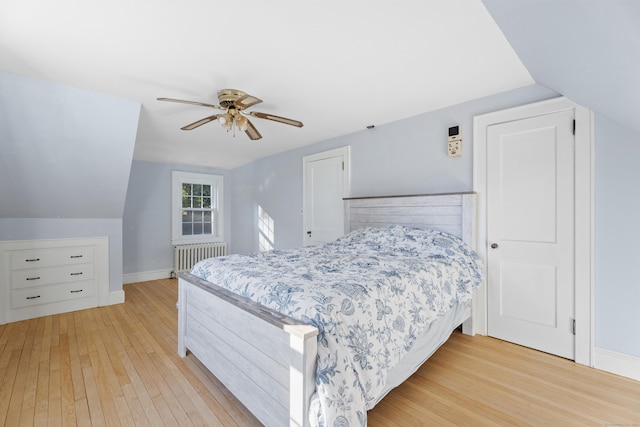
(234, 102)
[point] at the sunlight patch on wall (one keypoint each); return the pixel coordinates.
(266, 235)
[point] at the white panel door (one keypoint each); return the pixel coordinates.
(530, 231)
(325, 183)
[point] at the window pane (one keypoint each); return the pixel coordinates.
(187, 229)
(197, 206)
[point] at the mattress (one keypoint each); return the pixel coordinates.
(436, 334)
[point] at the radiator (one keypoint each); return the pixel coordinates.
(186, 256)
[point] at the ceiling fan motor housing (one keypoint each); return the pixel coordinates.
(228, 97)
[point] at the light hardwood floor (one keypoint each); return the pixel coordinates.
(118, 365)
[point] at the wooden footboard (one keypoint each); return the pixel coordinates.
(266, 359)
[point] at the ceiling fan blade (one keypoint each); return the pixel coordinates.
(200, 122)
(182, 101)
(251, 131)
(277, 119)
(247, 101)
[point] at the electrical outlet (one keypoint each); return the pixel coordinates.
(455, 148)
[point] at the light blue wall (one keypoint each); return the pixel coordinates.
(409, 157)
(617, 269)
(147, 215)
(587, 50)
(64, 152)
(275, 184)
(65, 156)
(404, 157)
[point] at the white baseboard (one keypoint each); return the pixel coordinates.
(617, 363)
(145, 276)
(116, 297)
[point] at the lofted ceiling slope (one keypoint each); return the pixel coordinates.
(587, 50)
(336, 66)
(64, 152)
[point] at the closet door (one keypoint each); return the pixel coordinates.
(530, 232)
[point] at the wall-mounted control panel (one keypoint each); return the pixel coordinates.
(454, 142)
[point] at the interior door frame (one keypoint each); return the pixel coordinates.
(584, 212)
(345, 152)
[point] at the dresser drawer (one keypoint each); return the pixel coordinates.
(49, 294)
(37, 258)
(51, 275)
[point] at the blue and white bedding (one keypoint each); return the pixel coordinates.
(370, 294)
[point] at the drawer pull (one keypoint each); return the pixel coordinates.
(76, 256)
(37, 296)
(76, 291)
(33, 278)
(32, 260)
(76, 274)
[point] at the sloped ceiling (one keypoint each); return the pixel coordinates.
(64, 152)
(337, 66)
(587, 50)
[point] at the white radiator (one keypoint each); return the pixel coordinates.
(186, 256)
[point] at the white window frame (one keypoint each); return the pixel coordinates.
(216, 181)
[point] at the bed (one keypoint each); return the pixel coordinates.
(318, 335)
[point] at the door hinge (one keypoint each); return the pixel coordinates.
(573, 326)
(574, 126)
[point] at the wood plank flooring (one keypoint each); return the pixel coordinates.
(117, 366)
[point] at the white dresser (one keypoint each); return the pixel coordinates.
(44, 277)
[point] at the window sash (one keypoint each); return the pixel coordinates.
(197, 208)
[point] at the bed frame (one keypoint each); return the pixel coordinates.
(266, 359)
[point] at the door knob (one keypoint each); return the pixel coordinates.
(494, 246)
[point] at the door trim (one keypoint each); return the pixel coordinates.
(345, 152)
(584, 208)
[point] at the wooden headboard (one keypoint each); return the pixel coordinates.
(450, 212)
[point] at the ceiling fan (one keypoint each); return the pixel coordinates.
(234, 102)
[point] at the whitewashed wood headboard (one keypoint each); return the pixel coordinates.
(450, 212)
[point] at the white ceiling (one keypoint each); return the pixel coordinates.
(337, 66)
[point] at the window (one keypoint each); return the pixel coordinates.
(197, 208)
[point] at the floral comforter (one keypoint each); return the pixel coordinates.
(370, 294)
